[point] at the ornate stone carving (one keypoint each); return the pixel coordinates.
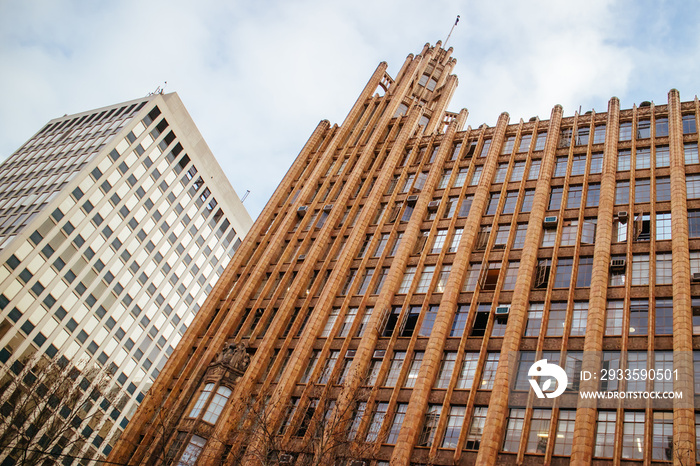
(234, 356)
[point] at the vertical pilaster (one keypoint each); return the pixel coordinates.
(433, 353)
(586, 413)
(498, 405)
(683, 412)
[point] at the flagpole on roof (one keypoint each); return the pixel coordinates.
(453, 28)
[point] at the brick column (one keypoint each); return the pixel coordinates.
(492, 437)
(586, 412)
(683, 412)
(413, 421)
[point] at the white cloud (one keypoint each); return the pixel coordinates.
(258, 77)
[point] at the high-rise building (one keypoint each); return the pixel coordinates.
(115, 224)
(398, 293)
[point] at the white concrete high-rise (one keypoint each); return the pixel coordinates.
(114, 226)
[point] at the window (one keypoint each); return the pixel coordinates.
(563, 275)
(693, 186)
(468, 371)
(476, 176)
(690, 150)
(476, 428)
(383, 240)
(661, 127)
(451, 207)
(622, 192)
(585, 272)
(514, 429)
(689, 124)
(578, 165)
(395, 368)
(485, 148)
(391, 320)
(663, 226)
(511, 201)
(624, 158)
(664, 316)
(472, 277)
(501, 173)
(377, 421)
(642, 191)
(636, 360)
(579, 319)
(565, 137)
(534, 170)
(332, 317)
(493, 204)
(555, 198)
(539, 431)
(518, 171)
(409, 321)
(432, 416)
(446, 368)
(519, 240)
(663, 189)
(534, 319)
(575, 195)
(455, 418)
(445, 179)
(383, 274)
(501, 237)
(593, 195)
(428, 321)
(613, 322)
(442, 279)
(639, 317)
(633, 436)
(414, 369)
(565, 432)
(582, 135)
(347, 322)
(489, 375)
(439, 242)
(640, 269)
(625, 131)
(664, 269)
(192, 452)
(456, 238)
(525, 143)
(643, 129)
(619, 231)
(605, 434)
(508, 145)
(425, 279)
(528, 199)
(560, 166)
(366, 279)
(460, 320)
(662, 436)
(399, 416)
(599, 134)
(663, 157)
(466, 205)
(201, 401)
(455, 151)
(557, 319)
(217, 404)
(395, 247)
(461, 178)
(511, 275)
(407, 280)
(348, 282)
(310, 367)
(540, 142)
(642, 158)
(491, 276)
(358, 414)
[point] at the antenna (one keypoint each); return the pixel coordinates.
(247, 191)
(159, 90)
(448, 35)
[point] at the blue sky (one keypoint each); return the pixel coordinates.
(258, 76)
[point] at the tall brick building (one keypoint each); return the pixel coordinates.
(411, 271)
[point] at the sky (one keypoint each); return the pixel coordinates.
(257, 77)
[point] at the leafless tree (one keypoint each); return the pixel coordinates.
(43, 403)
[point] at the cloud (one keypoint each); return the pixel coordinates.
(258, 77)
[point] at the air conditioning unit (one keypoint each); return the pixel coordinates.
(550, 222)
(301, 257)
(301, 211)
(327, 207)
(622, 216)
(696, 277)
(502, 310)
(433, 205)
(378, 354)
(618, 264)
(350, 353)
(412, 198)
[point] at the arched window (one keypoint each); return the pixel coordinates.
(217, 404)
(203, 397)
